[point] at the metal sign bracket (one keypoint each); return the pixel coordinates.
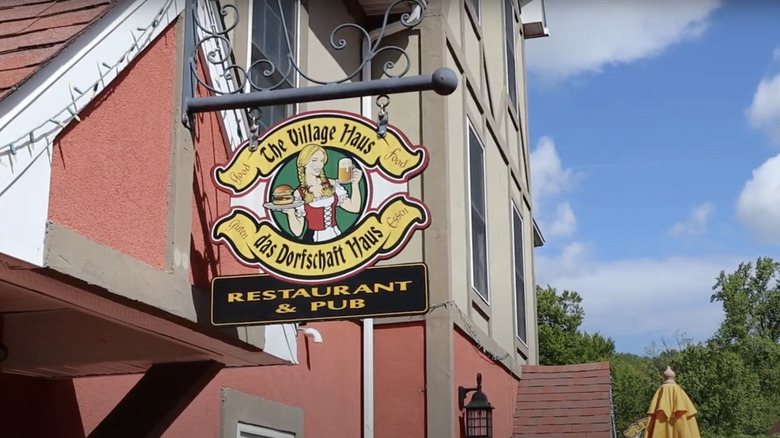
(239, 92)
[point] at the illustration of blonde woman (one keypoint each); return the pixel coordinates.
(321, 195)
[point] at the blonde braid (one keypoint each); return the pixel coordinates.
(308, 196)
(327, 187)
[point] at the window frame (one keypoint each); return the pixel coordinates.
(515, 212)
(297, 47)
(241, 410)
(476, 5)
(472, 268)
(260, 431)
(513, 104)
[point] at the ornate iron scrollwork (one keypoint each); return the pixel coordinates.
(208, 26)
(214, 42)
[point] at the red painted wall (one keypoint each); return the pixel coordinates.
(399, 380)
(124, 205)
(208, 259)
(326, 384)
(23, 399)
(498, 384)
(109, 177)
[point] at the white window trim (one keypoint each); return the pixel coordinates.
(260, 431)
(515, 22)
(231, 119)
(514, 210)
(469, 128)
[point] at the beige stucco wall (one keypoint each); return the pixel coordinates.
(481, 99)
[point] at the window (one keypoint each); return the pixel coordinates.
(251, 431)
(476, 7)
(517, 243)
(511, 67)
(479, 254)
(269, 42)
(247, 416)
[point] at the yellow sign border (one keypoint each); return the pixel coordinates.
(261, 171)
(394, 137)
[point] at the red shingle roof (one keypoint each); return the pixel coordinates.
(34, 31)
(564, 402)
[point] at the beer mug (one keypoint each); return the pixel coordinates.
(345, 171)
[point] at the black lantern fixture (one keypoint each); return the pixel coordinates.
(478, 417)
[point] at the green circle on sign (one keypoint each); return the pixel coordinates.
(288, 174)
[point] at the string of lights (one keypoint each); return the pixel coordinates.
(53, 124)
(471, 331)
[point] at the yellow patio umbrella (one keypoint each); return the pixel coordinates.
(671, 412)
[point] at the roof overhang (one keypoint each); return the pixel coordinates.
(538, 237)
(379, 7)
(55, 325)
(534, 18)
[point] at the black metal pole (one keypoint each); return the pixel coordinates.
(187, 88)
(443, 81)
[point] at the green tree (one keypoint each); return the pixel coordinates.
(722, 387)
(560, 340)
(750, 297)
(734, 377)
(634, 382)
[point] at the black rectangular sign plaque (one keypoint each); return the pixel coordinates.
(379, 291)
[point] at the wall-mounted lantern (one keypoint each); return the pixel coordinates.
(478, 416)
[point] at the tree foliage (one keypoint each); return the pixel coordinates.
(560, 339)
(733, 377)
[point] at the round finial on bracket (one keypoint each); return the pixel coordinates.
(445, 81)
(669, 375)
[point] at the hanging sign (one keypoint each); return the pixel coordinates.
(377, 291)
(320, 198)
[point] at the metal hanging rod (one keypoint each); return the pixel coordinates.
(443, 81)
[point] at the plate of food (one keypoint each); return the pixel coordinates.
(282, 198)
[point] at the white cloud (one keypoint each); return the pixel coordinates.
(758, 205)
(548, 177)
(564, 222)
(639, 298)
(696, 223)
(585, 36)
(764, 111)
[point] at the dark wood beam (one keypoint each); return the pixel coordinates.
(155, 402)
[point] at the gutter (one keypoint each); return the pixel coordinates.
(366, 111)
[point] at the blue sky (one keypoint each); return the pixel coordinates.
(655, 130)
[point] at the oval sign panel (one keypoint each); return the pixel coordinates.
(321, 198)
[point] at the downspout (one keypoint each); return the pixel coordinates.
(368, 324)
